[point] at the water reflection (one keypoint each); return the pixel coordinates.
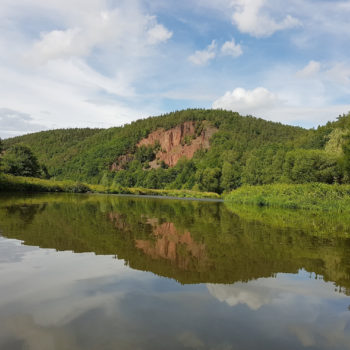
(191, 242)
(246, 283)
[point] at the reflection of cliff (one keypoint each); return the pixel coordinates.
(190, 241)
(171, 245)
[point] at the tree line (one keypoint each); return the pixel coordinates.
(244, 150)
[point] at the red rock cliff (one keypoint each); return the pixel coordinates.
(180, 141)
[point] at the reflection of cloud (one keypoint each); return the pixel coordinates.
(317, 333)
(12, 253)
(265, 291)
(54, 282)
(303, 334)
(24, 329)
(190, 340)
(253, 296)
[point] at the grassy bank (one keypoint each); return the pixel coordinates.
(314, 196)
(10, 183)
(318, 223)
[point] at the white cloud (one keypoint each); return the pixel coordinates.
(158, 34)
(339, 73)
(230, 48)
(59, 44)
(13, 123)
(80, 66)
(252, 17)
(286, 106)
(246, 101)
(201, 58)
(115, 30)
(310, 70)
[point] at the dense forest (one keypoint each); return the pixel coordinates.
(243, 150)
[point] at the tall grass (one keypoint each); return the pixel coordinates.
(9, 183)
(313, 196)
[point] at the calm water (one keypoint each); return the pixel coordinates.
(107, 272)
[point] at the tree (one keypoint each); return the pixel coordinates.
(303, 166)
(230, 176)
(210, 179)
(345, 160)
(20, 161)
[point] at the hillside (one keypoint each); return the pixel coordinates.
(210, 150)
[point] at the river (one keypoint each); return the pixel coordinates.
(118, 272)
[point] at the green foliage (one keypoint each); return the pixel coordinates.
(244, 150)
(20, 161)
(10, 183)
(145, 154)
(312, 196)
(302, 166)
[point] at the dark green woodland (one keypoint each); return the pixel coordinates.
(243, 151)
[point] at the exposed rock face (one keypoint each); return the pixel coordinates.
(181, 141)
(178, 142)
(120, 163)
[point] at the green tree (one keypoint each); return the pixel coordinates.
(345, 160)
(303, 166)
(20, 161)
(210, 179)
(230, 176)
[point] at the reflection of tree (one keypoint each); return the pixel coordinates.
(189, 241)
(25, 213)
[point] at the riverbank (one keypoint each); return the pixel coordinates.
(313, 196)
(9, 183)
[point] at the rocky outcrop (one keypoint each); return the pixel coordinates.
(181, 141)
(121, 162)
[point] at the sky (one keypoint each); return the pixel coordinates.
(103, 63)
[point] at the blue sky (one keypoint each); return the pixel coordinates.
(101, 63)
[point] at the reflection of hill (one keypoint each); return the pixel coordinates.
(189, 241)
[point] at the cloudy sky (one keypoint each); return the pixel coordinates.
(101, 63)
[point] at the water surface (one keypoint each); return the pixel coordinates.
(109, 272)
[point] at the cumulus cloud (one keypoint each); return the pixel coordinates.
(158, 33)
(230, 48)
(202, 57)
(310, 70)
(106, 29)
(82, 65)
(263, 103)
(246, 101)
(252, 17)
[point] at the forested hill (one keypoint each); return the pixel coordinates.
(209, 150)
